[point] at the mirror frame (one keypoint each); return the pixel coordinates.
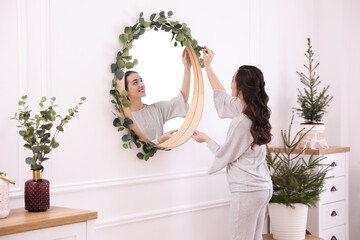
(181, 34)
(193, 116)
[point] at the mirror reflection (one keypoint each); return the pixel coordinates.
(159, 87)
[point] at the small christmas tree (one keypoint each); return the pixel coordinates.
(312, 104)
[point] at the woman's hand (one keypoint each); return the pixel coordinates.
(200, 137)
(166, 136)
(208, 56)
(186, 59)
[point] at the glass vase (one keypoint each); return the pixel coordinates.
(37, 193)
(4, 195)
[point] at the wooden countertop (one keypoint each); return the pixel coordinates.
(308, 237)
(330, 150)
(20, 220)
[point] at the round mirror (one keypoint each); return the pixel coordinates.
(159, 73)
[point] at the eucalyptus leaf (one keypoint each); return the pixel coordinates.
(124, 93)
(140, 156)
(152, 16)
(55, 144)
(113, 67)
(129, 65)
(123, 38)
(120, 64)
(125, 102)
(119, 74)
(146, 24)
(127, 30)
(180, 37)
(125, 146)
(170, 13)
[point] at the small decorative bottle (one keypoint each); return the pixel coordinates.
(37, 193)
(4, 195)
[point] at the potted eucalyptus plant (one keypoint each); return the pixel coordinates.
(40, 138)
(297, 184)
(313, 104)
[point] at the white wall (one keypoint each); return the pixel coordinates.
(65, 48)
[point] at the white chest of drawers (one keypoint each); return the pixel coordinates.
(330, 219)
(55, 224)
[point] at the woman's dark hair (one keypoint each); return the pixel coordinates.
(127, 73)
(250, 81)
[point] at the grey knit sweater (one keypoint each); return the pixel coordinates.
(246, 168)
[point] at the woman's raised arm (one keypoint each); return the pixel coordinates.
(208, 56)
(186, 81)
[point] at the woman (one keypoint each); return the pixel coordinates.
(151, 118)
(244, 151)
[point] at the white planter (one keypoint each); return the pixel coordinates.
(287, 223)
(315, 139)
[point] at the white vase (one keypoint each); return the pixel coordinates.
(315, 138)
(287, 223)
(4, 195)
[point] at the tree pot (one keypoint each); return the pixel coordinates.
(288, 223)
(315, 138)
(37, 193)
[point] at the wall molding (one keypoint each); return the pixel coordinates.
(150, 215)
(116, 182)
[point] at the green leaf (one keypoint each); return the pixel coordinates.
(125, 146)
(29, 160)
(46, 126)
(170, 13)
(124, 93)
(123, 38)
(187, 42)
(113, 67)
(55, 144)
(125, 54)
(137, 31)
(160, 19)
(135, 62)
(180, 37)
(126, 137)
(129, 65)
(127, 29)
(141, 14)
(43, 99)
(24, 97)
(27, 146)
(116, 122)
(162, 14)
(140, 156)
(60, 128)
(21, 103)
(146, 24)
(125, 102)
(22, 133)
(120, 64)
(152, 16)
(83, 98)
(119, 74)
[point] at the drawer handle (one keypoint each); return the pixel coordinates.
(333, 164)
(333, 189)
(333, 238)
(333, 214)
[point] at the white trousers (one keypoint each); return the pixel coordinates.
(247, 211)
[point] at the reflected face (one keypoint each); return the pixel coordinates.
(135, 86)
(234, 92)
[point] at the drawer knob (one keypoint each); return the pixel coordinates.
(333, 189)
(333, 214)
(333, 238)
(333, 164)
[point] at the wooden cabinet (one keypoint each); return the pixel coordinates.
(330, 219)
(56, 223)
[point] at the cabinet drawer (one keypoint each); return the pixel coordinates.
(334, 190)
(336, 233)
(333, 214)
(337, 164)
